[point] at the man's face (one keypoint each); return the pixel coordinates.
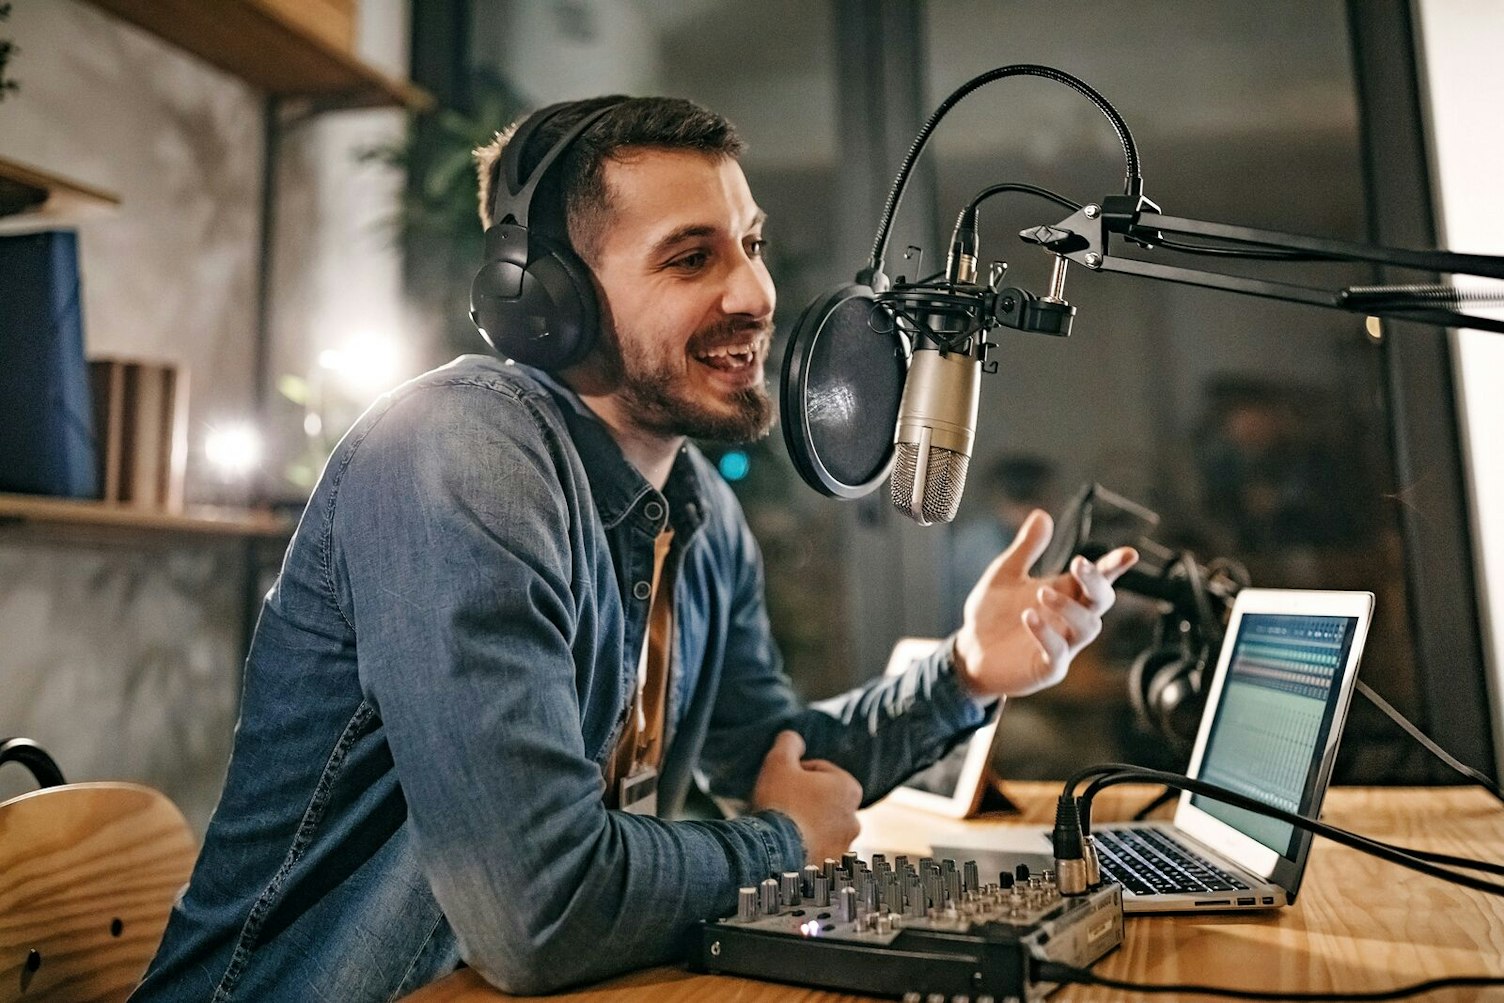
(687, 303)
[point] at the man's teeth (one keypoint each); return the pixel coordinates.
(727, 350)
(728, 356)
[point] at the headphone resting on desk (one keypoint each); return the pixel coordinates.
(533, 299)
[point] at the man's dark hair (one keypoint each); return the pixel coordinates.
(578, 182)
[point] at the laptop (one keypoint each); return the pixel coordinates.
(1274, 713)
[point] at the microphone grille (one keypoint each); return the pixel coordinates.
(942, 492)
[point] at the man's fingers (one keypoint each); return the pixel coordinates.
(1075, 623)
(1033, 536)
(1051, 645)
(1096, 590)
(1114, 564)
(820, 766)
(787, 748)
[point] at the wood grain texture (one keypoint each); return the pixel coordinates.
(1360, 924)
(257, 41)
(88, 873)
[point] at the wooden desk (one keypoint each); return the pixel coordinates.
(1359, 924)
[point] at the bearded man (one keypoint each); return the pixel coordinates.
(522, 614)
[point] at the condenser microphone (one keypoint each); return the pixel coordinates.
(937, 417)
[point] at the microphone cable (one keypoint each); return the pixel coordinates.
(1133, 183)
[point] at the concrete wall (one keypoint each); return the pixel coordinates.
(121, 652)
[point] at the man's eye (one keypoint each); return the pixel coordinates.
(692, 260)
(757, 248)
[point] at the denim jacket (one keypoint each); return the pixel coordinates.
(435, 682)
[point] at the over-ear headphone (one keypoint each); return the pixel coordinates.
(1166, 685)
(533, 299)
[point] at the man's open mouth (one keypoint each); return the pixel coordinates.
(729, 358)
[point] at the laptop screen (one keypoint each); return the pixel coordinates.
(1273, 719)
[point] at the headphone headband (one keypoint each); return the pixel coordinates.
(514, 195)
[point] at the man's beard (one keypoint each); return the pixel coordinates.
(660, 400)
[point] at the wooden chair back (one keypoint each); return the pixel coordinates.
(88, 874)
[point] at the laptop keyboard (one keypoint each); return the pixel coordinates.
(1148, 862)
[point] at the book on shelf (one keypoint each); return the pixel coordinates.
(46, 430)
(141, 425)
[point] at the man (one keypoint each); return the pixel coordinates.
(447, 700)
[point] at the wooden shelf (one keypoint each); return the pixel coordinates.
(32, 199)
(256, 41)
(40, 511)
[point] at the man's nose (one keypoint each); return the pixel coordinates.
(749, 289)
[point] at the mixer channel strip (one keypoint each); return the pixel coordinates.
(900, 928)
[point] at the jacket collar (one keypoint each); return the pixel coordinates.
(619, 487)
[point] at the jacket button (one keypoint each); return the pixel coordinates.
(653, 510)
(642, 590)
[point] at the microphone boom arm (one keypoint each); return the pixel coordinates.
(1084, 237)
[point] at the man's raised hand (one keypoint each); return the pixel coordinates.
(1018, 634)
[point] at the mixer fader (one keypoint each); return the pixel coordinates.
(913, 929)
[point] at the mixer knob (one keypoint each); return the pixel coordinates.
(822, 890)
(769, 896)
(788, 887)
(746, 905)
(807, 880)
(846, 909)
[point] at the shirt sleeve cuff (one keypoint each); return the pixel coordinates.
(948, 693)
(781, 839)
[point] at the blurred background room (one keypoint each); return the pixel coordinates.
(274, 205)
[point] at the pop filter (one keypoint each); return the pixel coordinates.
(842, 384)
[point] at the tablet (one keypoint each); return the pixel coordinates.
(956, 785)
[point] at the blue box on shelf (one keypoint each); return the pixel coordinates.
(46, 423)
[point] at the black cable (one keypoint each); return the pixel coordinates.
(1050, 971)
(1384, 851)
(1100, 769)
(1170, 793)
(1479, 778)
(1018, 186)
(1164, 796)
(1133, 182)
(1254, 253)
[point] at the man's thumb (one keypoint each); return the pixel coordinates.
(1032, 539)
(787, 748)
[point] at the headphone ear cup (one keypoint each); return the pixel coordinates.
(1144, 681)
(1177, 699)
(1165, 687)
(541, 312)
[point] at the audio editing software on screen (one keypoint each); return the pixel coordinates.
(1274, 717)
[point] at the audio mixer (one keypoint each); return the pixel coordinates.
(918, 930)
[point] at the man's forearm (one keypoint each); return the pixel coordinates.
(886, 730)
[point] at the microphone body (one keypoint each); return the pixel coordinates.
(937, 423)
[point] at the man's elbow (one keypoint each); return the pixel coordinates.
(545, 968)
